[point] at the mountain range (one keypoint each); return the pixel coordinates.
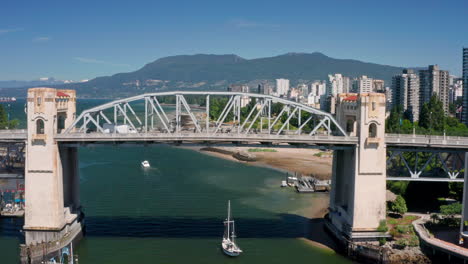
(216, 72)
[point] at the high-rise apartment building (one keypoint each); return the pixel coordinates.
(335, 84)
(346, 84)
(405, 92)
(365, 84)
(456, 89)
(282, 87)
(434, 81)
(465, 87)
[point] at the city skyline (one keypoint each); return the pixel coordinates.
(86, 40)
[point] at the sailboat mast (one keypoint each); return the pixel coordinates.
(233, 232)
(229, 218)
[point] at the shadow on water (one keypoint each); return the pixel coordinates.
(284, 226)
(11, 227)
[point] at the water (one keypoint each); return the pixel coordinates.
(173, 212)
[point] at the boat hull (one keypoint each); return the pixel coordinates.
(231, 253)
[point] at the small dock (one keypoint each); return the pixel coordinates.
(308, 184)
(8, 213)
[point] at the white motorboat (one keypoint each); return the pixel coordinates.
(145, 164)
(230, 247)
(284, 184)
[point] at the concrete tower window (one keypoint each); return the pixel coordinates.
(40, 126)
(350, 126)
(373, 130)
(373, 106)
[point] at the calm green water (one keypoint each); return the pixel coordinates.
(173, 212)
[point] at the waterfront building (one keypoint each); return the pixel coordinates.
(465, 87)
(405, 88)
(282, 87)
(433, 81)
(238, 88)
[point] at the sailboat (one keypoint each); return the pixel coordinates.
(229, 245)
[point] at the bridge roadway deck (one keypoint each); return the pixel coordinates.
(188, 137)
(391, 140)
(13, 135)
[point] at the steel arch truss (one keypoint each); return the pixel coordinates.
(206, 113)
(425, 164)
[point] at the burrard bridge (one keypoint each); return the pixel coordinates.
(364, 156)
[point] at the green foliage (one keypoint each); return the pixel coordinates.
(401, 243)
(382, 226)
(413, 241)
(262, 150)
(399, 205)
(393, 122)
(402, 229)
(432, 115)
(450, 210)
(397, 187)
(4, 123)
(392, 221)
(456, 190)
(432, 120)
(382, 241)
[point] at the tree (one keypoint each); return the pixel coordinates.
(4, 122)
(432, 115)
(393, 121)
(399, 205)
(450, 210)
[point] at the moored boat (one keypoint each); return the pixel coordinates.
(230, 247)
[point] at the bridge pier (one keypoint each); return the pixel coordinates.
(358, 196)
(53, 217)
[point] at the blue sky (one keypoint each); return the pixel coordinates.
(85, 39)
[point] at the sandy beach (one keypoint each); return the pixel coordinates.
(292, 160)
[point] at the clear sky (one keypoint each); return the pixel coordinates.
(84, 39)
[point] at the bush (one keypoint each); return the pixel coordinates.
(450, 210)
(401, 243)
(261, 150)
(402, 229)
(399, 205)
(413, 241)
(382, 241)
(382, 226)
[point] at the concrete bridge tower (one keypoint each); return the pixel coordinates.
(52, 217)
(358, 196)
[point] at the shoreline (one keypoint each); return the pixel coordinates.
(285, 160)
(317, 236)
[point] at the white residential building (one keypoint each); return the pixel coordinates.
(282, 87)
(335, 84)
(365, 84)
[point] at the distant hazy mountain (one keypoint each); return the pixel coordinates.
(33, 83)
(216, 72)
